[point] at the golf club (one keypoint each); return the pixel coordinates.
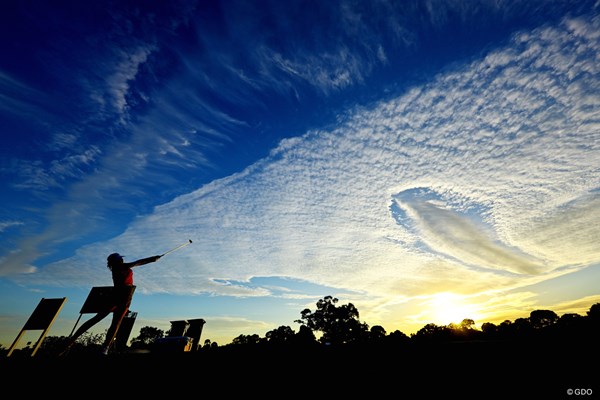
(178, 247)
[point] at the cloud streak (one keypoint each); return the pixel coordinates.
(448, 233)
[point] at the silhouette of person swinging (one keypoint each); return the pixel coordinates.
(122, 276)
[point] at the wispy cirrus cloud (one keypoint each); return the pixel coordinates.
(4, 225)
(21, 99)
(125, 71)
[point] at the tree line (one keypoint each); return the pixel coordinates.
(334, 325)
(339, 325)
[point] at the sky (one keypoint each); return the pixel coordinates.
(426, 161)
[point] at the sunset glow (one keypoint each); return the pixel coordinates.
(448, 308)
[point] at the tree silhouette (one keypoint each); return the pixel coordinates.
(490, 330)
(281, 335)
(540, 319)
(338, 324)
(594, 313)
(305, 337)
(246, 340)
(398, 338)
(432, 332)
(148, 335)
(467, 323)
(377, 332)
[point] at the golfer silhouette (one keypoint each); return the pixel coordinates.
(122, 276)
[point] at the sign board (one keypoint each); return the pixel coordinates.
(42, 318)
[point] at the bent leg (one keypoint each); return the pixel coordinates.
(118, 316)
(123, 300)
(83, 328)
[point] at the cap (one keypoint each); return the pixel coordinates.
(114, 257)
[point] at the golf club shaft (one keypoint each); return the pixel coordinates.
(176, 248)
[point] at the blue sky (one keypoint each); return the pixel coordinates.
(427, 161)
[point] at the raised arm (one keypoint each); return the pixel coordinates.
(144, 261)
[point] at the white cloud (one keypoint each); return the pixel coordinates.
(4, 225)
(126, 71)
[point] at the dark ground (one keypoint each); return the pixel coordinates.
(478, 370)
